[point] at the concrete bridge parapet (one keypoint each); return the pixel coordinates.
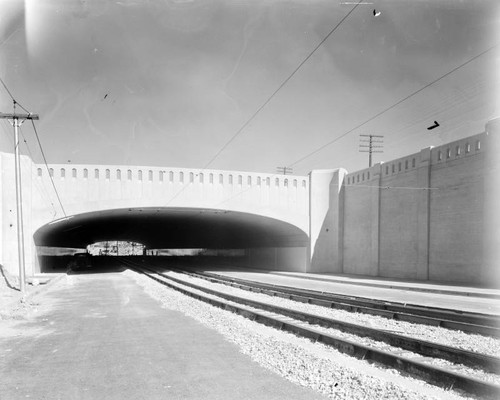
(88, 188)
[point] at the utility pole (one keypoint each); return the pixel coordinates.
(284, 170)
(16, 121)
(372, 144)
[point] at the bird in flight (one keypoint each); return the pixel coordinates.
(436, 124)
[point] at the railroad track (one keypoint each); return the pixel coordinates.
(418, 364)
(483, 324)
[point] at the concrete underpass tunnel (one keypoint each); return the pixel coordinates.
(267, 243)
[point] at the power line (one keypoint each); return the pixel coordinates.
(393, 105)
(381, 187)
(12, 97)
(451, 102)
(48, 170)
(39, 144)
(392, 187)
(37, 184)
(28, 166)
(377, 115)
(252, 117)
(45, 195)
(358, 186)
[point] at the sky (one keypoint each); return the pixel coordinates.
(194, 83)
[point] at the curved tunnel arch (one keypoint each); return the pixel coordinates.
(179, 227)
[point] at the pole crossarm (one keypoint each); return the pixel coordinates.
(18, 116)
(284, 170)
(373, 142)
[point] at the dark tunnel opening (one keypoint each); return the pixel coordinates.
(183, 236)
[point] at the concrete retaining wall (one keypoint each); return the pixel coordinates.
(423, 216)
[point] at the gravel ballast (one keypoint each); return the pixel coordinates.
(299, 360)
(448, 337)
(363, 340)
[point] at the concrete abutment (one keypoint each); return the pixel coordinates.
(325, 220)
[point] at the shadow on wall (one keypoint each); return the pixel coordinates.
(325, 250)
(325, 219)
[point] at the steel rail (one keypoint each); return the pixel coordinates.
(435, 375)
(483, 324)
(422, 347)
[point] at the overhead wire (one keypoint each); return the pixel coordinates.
(290, 76)
(380, 113)
(12, 97)
(393, 105)
(37, 183)
(391, 187)
(274, 94)
(39, 143)
(356, 127)
(48, 169)
(449, 187)
(41, 188)
(372, 118)
(361, 186)
(450, 102)
(268, 100)
(410, 128)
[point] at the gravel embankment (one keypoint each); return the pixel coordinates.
(299, 360)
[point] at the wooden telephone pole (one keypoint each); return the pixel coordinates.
(371, 143)
(284, 170)
(16, 121)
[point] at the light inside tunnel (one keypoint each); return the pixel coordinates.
(116, 248)
(196, 252)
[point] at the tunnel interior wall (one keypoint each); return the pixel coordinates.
(54, 264)
(293, 259)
